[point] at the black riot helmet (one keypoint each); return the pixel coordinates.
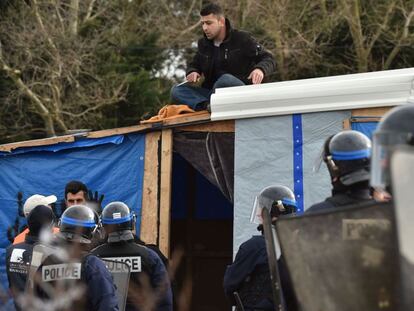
(40, 218)
(347, 156)
(279, 199)
(78, 223)
(396, 129)
(116, 217)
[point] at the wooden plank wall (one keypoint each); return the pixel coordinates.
(149, 212)
(156, 197)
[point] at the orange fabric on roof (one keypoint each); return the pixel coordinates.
(169, 112)
(21, 236)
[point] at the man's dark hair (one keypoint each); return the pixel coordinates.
(74, 187)
(211, 8)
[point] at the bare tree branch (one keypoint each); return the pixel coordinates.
(89, 11)
(116, 98)
(353, 17)
(73, 17)
(400, 42)
(13, 74)
(42, 27)
(382, 26)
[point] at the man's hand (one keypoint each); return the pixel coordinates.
(193, 77)
(95, 201)
(256, 76)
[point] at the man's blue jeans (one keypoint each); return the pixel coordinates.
(197, 97)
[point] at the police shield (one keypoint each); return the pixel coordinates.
(272, 253)
(343, 260)
(402, 168)
(402, 172)
(120, 272)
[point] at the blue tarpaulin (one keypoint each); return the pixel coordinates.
(113, 166)
(208, 200)
(366, 128)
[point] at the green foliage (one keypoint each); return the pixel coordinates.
(138, 62)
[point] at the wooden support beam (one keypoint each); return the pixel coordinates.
(165, 191)
(346, 124)
(218, 126)
(37, 142)
(149, 212)
(365, 115)
(370, 112)
(365, 119)
(119, 131)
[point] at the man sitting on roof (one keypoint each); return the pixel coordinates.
(225, 57)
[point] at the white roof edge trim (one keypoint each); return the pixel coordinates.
(366, 76)
(366, 90)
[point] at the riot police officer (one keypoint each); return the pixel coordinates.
(71, 278)
(149, 287)
(347, 156)
(395, 130)
(18, 256)
(249, 275)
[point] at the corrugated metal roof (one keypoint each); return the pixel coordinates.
(364, 90)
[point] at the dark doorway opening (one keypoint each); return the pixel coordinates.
(201, 226)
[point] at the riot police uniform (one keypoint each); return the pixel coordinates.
(70, 277)
(249, 275)
(148, 273)
(347, 156)
(19, 256)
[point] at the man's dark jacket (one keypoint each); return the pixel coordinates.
(249, 275)
(351, 197)
(152, 267)
(100, 291)
(239, 55)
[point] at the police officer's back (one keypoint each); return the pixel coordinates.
(149, 285)
(19, 256)
(249, 275)
(347, 156)
(72, 278)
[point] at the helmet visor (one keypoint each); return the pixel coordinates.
(317, 163)
(276, 207)
(259, 204)
(384, 145)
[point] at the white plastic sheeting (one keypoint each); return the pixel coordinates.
(264, 156)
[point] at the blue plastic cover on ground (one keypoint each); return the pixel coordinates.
(113, 166)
